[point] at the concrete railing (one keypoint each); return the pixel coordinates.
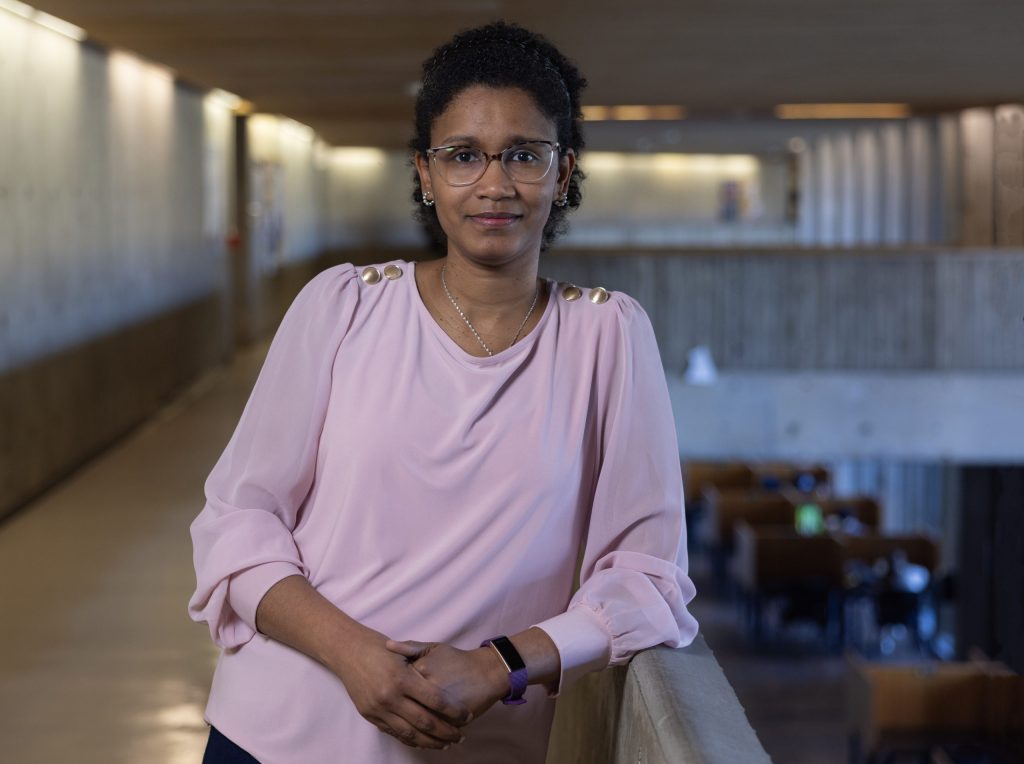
(666, 707)
(821, 310)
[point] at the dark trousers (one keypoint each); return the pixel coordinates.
(220, 750)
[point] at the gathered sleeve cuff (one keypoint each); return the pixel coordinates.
(634, 587)
(583, 641)
(242, 540)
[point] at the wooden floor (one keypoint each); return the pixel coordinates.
(99, 663)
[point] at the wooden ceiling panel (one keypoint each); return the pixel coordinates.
(351, 61)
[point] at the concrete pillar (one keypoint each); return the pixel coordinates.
(827, 189)
(868, 161)
(1009, 175)
(894, 189)
(921, 158)
(977, 133)
(807, 215)
(846, 190)
(950, 180)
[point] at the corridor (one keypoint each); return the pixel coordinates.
(99, 662)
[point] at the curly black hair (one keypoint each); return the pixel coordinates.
(502, 55)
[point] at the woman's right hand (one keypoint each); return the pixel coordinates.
(384, 686)
(395, 698)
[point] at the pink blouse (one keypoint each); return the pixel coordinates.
(437, 496)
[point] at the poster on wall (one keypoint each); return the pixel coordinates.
(266, 216)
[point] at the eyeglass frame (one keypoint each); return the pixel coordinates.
(556, 152)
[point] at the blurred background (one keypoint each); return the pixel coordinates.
(820, 205)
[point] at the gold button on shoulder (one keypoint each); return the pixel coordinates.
(392, 272)
(370, 275)
(571, 293)
(599, 295)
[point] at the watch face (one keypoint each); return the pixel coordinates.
(517, 677)
(508, 653)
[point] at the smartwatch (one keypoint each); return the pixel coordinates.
(517, 679)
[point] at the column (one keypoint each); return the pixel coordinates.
(1009, 175)
(921, 178)
(868, 161)
(977, 134)
(894, 191)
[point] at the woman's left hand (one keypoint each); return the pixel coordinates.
(476, 678)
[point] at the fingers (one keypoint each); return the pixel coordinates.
(427, 722)
(433, 698)
(410, 648)
(402, 730)
(398, 710)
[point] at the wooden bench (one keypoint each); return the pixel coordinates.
(772, 561)
(699, 476)
(865, 509)
(893, 708)
(890, 605)
(920, 549)
(786, 475)
(723, 508)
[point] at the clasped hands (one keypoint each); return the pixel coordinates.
(422, 693)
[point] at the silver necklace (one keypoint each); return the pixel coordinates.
(470, 323)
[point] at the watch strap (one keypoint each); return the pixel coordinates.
(517, 677)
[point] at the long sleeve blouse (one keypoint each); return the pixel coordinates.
(437, 496)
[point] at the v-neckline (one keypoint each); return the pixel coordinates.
(457, 351)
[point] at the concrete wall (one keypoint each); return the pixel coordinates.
(369, 200)
(925, 310)
(811, 415)
(103, 203)
(113, 211)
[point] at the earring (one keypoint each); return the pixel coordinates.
(428, 199)
(562, 200)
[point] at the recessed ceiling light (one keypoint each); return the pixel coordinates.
(842, 111)
(633, 113)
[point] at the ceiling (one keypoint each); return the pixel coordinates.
(345, 67)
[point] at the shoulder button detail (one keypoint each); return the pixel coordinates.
(392, 272)
(571, 293)
(599, 295)
(370, 275)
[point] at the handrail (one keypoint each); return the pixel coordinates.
(666, 707)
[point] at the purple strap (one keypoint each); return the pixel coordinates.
(517, 681)
(517, 676)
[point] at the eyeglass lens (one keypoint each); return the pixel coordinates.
(462, 165)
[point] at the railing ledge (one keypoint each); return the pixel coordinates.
(667, 707)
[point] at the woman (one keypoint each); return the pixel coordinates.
(425, 451)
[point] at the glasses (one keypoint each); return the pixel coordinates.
(523, 163)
